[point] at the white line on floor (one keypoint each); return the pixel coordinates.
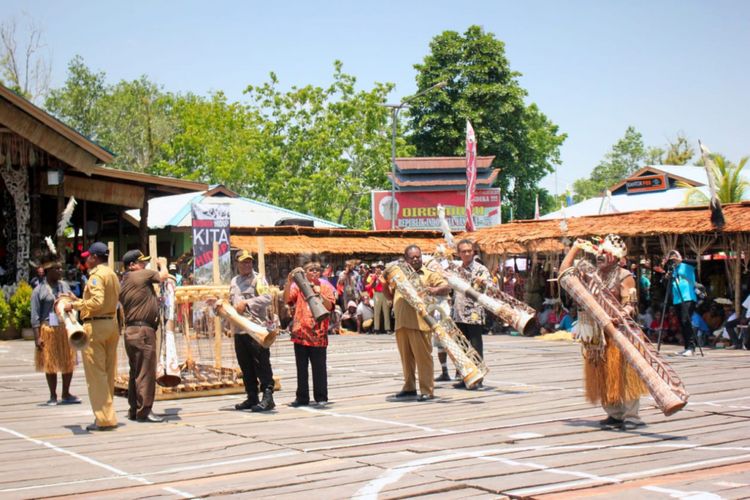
(393, 474)
(376, 420)
(692, 495)
(91, 461)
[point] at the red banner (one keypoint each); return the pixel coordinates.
(418, 209)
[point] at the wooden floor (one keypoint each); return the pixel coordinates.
(528, 433)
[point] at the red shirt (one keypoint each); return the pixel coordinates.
(304, 329)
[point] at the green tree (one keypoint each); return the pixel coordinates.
(626, 156)
(731, 186)
(679, 153)
(324, 149)
(483, 88)
(136, 121)
(78, 101)
(215, 141)
(131, 118)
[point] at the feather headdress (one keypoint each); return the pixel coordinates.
(66, 215)
(50, 245)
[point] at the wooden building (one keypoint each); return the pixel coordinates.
(43, 162)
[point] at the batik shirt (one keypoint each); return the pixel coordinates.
(465, 310)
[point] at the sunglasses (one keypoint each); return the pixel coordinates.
(314, 270)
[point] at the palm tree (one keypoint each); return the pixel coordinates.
(730, 184)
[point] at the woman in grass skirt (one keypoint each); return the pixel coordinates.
(53, 352)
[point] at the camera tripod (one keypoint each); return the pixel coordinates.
(669, 278)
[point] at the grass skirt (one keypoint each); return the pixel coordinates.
(611, 380)
(56, 355)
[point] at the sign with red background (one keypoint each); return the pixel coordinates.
(418, 209)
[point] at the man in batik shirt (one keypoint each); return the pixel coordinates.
(467, 314)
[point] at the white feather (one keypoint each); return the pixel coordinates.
(50, 245)
(65, 217)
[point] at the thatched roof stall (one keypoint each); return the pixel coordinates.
(292, 240)
(286, 246)
(521, 237)
(648, 233)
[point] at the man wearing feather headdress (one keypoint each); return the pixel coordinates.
(609, 379)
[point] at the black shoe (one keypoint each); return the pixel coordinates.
(610, 422)
(246, 404)
(425, 397)
(444, 377)
(474, 387)
(100, 428)
(405, 394)
(460, 385)
(297, 403)
(267, 404)
(131, 414)
(151, 417)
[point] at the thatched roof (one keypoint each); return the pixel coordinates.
(292, 240)
(545, 235)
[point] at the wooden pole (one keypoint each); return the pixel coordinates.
(60, 243)
(143, 223)
(261, 257)
(186, 330)
(84, 237)
(111, 258)
(217, 319)
(152, 251)
(737, 282)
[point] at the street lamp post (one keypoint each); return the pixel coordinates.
(395, 108)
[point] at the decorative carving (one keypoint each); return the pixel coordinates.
(16, 180)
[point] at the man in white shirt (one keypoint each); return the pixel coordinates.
(365, 315)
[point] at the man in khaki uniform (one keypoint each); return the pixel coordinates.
(413, 335)
(98, 309)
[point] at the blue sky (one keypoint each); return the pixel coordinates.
(594, 67)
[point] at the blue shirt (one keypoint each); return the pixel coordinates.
(683, 284)
(567, 323)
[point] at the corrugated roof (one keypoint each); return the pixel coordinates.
(174, 211)
(656, 200)
(545, 235)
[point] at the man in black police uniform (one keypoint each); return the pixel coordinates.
(140, 304)
(249, 294)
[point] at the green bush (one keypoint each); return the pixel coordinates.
(4, 313)
(20, 305)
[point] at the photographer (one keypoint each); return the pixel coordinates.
(682, 280)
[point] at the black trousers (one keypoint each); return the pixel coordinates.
(140, 346)
(315, 356)
(255, 363)
(473, 334)
(686, 324)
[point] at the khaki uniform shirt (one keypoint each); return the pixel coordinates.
(100, 295)
(406, 315)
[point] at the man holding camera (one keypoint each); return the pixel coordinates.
(682, 285)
